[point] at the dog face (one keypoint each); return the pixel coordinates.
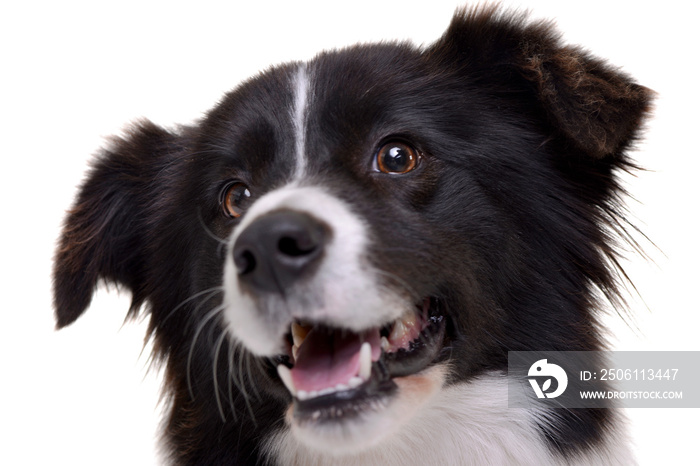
(340, 241)
(337, 245)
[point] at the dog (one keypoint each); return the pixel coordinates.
(337, 259)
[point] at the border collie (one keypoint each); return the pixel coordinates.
(338, 257)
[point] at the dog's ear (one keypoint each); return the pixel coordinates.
(104, 233)
(592, 105)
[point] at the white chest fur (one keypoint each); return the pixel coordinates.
(465, 424)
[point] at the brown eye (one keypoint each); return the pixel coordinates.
(396, 158)
(234, 199)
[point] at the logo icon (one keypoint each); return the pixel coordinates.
(543, 370)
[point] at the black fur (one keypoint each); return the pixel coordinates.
(511, 221)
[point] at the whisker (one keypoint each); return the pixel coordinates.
(241, 385)
(233, 348)
(390, 277)
(210, 315)
(230, 379)
(213, 290)
(216, 375)
(248, 357)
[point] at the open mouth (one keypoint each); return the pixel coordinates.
(334, 373)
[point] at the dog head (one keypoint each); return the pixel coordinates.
(365, 228)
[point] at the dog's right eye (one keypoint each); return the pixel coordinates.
(235, 196)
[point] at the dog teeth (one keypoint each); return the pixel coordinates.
(402, 327)
(286, 377)
(307, 395)
(403, 332)
(365, 361)
(355, 382)
(386, 346)
(299, 334)
(364, 374)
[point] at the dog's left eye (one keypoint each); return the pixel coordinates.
(396, 158)
(234, 199)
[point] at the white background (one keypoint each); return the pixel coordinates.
(73, 73)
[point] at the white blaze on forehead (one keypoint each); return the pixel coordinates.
(301, 87)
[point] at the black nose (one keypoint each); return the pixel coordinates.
(278, 249)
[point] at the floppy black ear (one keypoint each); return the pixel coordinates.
(104, 233)
(594, 106)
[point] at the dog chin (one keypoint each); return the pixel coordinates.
(375, 425)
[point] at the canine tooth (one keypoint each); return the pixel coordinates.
(401, 328)
(403, 325)
(298, 334)
(286, 377)
(365, 361)
(397, 331)
(295, 351)
(386, 346)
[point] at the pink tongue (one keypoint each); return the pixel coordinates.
(327, 359)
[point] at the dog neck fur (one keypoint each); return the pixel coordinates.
(463, 424)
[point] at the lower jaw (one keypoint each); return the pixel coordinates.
(348, 405)
(358, 425)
